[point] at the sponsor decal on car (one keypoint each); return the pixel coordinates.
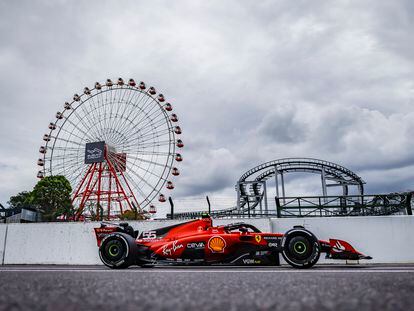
(216, 244)
(272, 244)
(196, 245)
(250, 261)
(103, 232)
(258, 238)
(149, 235)
(170, 249)
(271, 238)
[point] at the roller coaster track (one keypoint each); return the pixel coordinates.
(262, 172)
(251, 193)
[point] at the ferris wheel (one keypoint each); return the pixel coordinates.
(116, 144)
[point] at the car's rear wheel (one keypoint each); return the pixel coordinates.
(117, 251)
(300, 248)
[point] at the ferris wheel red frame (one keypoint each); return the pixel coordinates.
(130, 133)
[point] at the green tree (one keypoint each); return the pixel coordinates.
(131, 215)
(91, 208)
(20, 200)
(52, 195)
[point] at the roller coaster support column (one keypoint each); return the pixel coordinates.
(323, 180)
(278, 208)
(361, 192)
(238, 196)
(172, 207)
(282, 179)
(209, 205)
(409, 209)
(248, 207)
(265, 197)
(277, 182)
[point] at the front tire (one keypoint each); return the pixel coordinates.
(300, 248)
(117, 251)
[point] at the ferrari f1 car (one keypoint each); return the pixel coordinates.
(198, 242)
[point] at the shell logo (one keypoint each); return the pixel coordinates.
(216, 244)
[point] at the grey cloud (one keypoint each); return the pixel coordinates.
(281, 126)
(229, 68)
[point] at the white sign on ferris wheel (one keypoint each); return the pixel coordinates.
(94, 152)
(116, 144)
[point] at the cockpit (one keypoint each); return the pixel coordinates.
(240, 227)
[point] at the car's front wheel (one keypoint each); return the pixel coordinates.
(300, 248)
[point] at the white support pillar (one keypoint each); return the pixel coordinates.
(238, 196)
(361, 194)
(323, 180)
(265, 196)
(282, 179)
(277, 182)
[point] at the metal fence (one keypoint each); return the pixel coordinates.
(314, 206)
(355, 205)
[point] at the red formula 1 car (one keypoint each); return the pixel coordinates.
(198, 242)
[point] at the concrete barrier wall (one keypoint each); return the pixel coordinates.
(71, 243)
(387, 239)
(3, 230)
(45, 243)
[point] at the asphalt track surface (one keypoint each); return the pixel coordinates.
(358, 287)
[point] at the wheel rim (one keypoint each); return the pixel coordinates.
(113, 250)
(300, 247)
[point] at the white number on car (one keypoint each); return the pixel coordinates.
(149, 235)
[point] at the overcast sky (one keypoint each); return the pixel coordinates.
(251, 81)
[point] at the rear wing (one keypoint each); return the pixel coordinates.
(102, 232)
(107, 228)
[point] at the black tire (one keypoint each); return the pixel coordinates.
(118, 250)
(300, 248)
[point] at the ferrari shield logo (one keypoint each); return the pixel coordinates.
(258, 238)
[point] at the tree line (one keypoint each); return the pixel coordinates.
(50, 196)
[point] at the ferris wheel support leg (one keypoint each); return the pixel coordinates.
(91, 190)
(109, 195)
(112, 169)
(132, 193)
(81, 184)
(120, 207)
(98, 193)
(118, 198)
(85, 194)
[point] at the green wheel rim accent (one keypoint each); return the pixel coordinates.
(299, 247)
(113, 250)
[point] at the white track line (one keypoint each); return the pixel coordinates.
(208, 271)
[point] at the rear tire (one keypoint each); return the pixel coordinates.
(118, 250)
(301, 249)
